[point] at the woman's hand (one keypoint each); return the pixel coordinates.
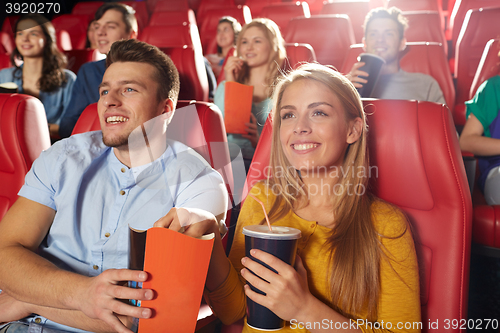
(287, 293)
(355, 73)
(253, 133)
(232, 67)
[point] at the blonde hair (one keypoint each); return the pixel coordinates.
(354, 245)
(278, 52)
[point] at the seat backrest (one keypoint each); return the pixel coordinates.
(63, 40)
(172, 36)
(207, 137)
(206, 5)
(297, 53)
(4, 60)
(489, 65)
(8, 25)
(356, 10)
(7, 42)
(329, 35)
(257, 5)
(458, 15)
(24, 135)
(76, 58)
(425, 26)
(86, 8)
(141, 12)
(425, 5)
(416, 164)
(167, 5)
(76, 26)
(192, 72)
(480, 25)
(208, 27)
(177, 17)
(418, 57)
(282, 13)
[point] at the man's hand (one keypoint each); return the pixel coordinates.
(101, 297)
(191, 221)
(355, 73)
(11, 309)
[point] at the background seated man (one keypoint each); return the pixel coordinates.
(384, 36)
(113, 21)
(64, 243)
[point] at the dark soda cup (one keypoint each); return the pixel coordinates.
(373, 65)
(280, 242)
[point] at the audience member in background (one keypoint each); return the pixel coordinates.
(113, 21)
(43, 72)
(481, 136)
(227, 34)
(64, 243)
(260, 55)
(91, 42)
(356, 259)
(384, 36)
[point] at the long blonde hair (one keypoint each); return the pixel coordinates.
(354, 245)
(278, 52)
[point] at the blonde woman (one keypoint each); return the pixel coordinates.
(356, 268)
(260, 55)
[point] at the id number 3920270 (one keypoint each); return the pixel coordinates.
(29, 8)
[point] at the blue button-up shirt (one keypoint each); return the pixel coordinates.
(97, 198)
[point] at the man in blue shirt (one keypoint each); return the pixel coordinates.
(113, 21)
(64, 243)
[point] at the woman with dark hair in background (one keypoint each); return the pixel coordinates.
(42, 73)
(227, 34)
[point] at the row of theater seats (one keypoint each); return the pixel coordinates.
(422, 173)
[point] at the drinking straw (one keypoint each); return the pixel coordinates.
(264, 209)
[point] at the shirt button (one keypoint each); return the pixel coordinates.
(96, 267)
(313, 225)
(122, 192)
(123, 170)
(38, 320)
(107, 234)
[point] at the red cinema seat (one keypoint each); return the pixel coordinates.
(170, 6)
(76, 26)
(192, 72)
(206, 5)
(298, 53)
(458, 15)
(415, 148)
(479, 27)
(141, 12)
(356, 10)
(425, 26)
(8, 25)
(5, 61)
(489, 65)
(418, 57)
(178, 17)
(282, 13)
(86, 8)
(329, 35)
(172, 36)
(24, 135)
(257, 5)
(208, 27)
(425, 5)
(76, 58)
(7, 42)
(63, 41)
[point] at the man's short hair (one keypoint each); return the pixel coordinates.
(166, 74)
(128, 14)
(392, 13)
